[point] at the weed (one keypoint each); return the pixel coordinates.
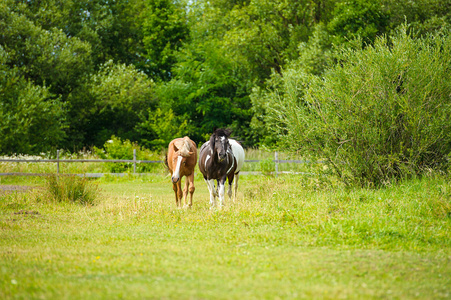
(72, 189)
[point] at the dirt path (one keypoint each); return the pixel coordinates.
(14, 188)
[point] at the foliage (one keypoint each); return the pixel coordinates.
(315, 55)
(72, 189)
(120, 97)
(31, 118)
(206, 93)
(379, 115)
(264, 35)
(205, 59)
(115, 148)
(165, 29)
(113, 101)
(426, 16)
(267, 166)
(161, 127)
(358, 18)
(43, 56)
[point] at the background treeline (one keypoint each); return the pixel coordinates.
(340, 79)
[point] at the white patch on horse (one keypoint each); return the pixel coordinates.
(233, 164)
(212, 190)
(208, 157)
(221, 194)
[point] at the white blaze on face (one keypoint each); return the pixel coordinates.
(176, 175)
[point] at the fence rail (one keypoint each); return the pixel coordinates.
(134, 161)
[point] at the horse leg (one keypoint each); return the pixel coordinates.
(185, 191)
(221, 189)
(211, 188)
(189, 186)
(179, 194)
(174, 187)
(237, 175)
(229, 191)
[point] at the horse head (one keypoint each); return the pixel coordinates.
(219, 143)
(183, 148)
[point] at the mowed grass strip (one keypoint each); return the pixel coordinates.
(289, 237)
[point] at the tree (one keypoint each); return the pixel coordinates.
(380, 115)
(264, 35)
(362, 18)
(165, 30)
(31, 118)
(112, 102)
(46, 57)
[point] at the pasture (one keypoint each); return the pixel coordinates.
(290, 237)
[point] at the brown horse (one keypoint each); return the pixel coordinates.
(181, 160)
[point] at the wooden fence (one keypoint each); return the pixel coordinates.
(134, 161)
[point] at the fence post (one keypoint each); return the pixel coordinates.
(134, 161)
(57, 162)
(276, 159)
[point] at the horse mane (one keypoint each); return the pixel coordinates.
(222, 132)
(183, 146)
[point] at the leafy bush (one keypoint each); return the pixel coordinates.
(162, 127)
(380, 114)
(72, 189)
(115, 148)
(267, 166)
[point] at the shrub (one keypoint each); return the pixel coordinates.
(267, 166)
(380, 114)
(115, 148)
(71, 189)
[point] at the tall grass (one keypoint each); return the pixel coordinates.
(71, 189)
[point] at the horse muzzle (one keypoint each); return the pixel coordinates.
(175, 179)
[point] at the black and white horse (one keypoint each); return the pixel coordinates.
(220, 159)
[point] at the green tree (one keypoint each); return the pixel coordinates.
(112, 28)
(264, 35)
(113, 101)
(379, 115)
(366, 19)
(165, 29)
(46, 57)
(424, 16)
(207, 91)
(161, 128)
(31, 118)
(315, 55)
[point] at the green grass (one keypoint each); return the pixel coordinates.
(289, 237)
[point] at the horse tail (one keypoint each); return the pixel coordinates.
(166, 161)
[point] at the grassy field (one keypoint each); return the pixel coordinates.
(290, 237)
